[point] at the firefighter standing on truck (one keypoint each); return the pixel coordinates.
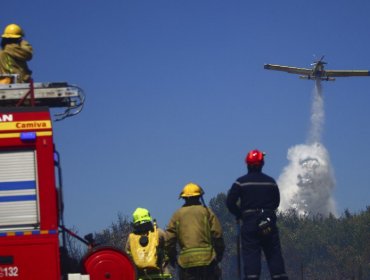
(197, 231)
(259, 198)
(14, 54)
(146, 246)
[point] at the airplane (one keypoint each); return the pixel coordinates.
(317, 72)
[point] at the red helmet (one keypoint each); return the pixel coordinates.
(254, 157)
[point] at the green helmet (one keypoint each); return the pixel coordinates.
(141, 215)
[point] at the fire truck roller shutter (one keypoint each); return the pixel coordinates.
(18, 190)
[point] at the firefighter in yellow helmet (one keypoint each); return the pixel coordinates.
(14, 54)
(198, 233)
(146, 246)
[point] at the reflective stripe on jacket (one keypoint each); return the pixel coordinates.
(196, 257)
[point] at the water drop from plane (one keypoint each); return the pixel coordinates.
(307, 182)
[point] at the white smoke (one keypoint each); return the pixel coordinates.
(307, 182)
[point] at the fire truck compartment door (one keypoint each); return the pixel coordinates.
(18, 190)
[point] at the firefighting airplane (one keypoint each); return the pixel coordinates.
(317, 72)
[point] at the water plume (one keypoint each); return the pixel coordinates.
(307, 182)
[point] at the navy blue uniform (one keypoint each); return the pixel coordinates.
(259, 198)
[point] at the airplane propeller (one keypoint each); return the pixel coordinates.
(320, 61)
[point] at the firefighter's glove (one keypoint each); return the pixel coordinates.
(265, 226)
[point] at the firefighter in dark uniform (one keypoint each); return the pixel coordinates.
(197, 232)
(259, 197)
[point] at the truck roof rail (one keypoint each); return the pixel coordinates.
(54, 95)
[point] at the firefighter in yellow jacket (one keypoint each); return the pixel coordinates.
(198, 233)
(146, 245)
(14, 54)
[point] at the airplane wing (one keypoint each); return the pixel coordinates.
(289, 69)
(346, 73)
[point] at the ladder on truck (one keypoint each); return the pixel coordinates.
(70, 98)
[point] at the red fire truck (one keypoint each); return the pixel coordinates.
(30, 188)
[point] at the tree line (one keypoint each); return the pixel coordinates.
(314, 247)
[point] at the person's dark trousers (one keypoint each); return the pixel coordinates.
(253, 243)
(209, 272)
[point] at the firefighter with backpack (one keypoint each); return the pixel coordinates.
(146, 246)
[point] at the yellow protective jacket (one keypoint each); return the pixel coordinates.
(13, 60)
(198, 232)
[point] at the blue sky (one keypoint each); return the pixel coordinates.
(176, 92)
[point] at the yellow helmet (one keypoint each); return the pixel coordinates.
(191, 189)
(141, 215)
(13, 31)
